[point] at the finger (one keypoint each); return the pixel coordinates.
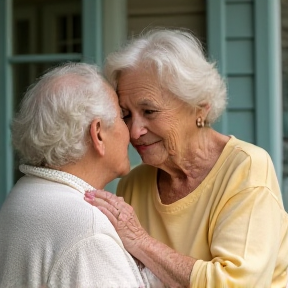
(101, 194)
(110, 216)
(117, 202)
(100, 203)
(107, 196)
(88, 196)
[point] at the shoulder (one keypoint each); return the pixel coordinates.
(141, 177)
(53, 201)
(249, 166)
(248, 150)
(253, 157)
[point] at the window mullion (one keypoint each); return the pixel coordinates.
(6, 99)
(92, 27)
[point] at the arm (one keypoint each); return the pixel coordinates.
(170, 267)
(244, 242)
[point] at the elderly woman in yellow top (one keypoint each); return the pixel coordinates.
(209, 206)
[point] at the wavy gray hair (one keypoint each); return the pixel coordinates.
(178, 59)
(52, 126)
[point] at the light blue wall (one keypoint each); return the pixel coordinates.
(244, 38)
(231, 44)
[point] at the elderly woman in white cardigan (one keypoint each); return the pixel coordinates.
(71, 137)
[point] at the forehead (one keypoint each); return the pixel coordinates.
(140, 84)
(141, 88)
(140, 78)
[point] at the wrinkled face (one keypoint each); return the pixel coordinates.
(117, 146)
(160, 124)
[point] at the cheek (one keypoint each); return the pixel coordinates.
(125, 133)
(128, 124)
(172, 141)
(171, 135)
(168, 133)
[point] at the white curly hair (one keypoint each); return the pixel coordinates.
(52, 126)
(181, 67)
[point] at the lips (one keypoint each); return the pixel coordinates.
(141, 147)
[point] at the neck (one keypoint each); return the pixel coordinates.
(196, 156)
(90, 170)
(85, 175)
(184, 173)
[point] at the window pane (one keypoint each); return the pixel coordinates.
(22, 45)
(62, 28)
(76, 26)
(47, 26)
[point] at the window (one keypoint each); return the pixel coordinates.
(41, 30)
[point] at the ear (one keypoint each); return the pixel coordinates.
(203, 109)
(96, 131)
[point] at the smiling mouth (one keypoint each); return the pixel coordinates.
(143, 147)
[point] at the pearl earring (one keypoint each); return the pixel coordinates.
(200, 122)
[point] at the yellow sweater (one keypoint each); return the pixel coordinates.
(234, 223)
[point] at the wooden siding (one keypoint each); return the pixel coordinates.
(284, 34)
(169, 13)
(238, 69)
(244, 39)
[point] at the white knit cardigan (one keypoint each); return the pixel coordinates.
(51, 237)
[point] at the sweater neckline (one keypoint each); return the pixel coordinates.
(57, 176)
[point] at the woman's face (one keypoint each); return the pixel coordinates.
(160, 124)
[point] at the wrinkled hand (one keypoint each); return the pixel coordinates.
(121, 215)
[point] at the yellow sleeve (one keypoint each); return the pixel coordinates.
(244, 248)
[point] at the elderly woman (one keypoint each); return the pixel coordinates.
(209, 206)
(71, 135)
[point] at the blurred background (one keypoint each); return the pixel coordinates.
(247, 38)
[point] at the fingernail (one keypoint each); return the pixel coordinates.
(89, 192)
(88, 197)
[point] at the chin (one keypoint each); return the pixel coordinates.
(151, 162)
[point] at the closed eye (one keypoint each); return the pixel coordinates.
(149, 112)
(125, 114)
(126, 117)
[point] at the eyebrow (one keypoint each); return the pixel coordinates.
(146, 102)
(143, 103)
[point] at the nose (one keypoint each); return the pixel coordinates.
(136, 128)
